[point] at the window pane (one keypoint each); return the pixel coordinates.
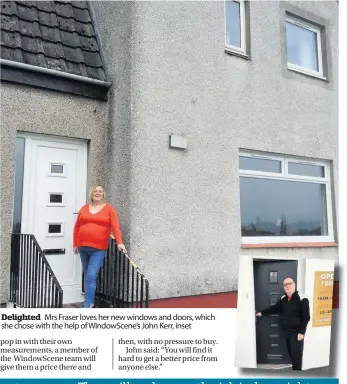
(256, 164)
(233, 23)
(273, 277)
(54, 228)
(302, 47)
(306, 169)
(57, 168)
(282, 208)
(56, 198)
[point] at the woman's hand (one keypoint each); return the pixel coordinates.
(75, 250)
(121, 247)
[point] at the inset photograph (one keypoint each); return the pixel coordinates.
(284, 313)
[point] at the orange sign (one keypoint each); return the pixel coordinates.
(323, 299)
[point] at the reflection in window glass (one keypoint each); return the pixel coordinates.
(233, 23)
(306, 169)
(302, 47)
(258, 164)
(57, 168)
(282, 208)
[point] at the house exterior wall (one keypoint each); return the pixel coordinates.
(184, 206)
(27, 109)
(113, 29)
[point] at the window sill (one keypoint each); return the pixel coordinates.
(291, 245)
(230, 51)
(307, 74)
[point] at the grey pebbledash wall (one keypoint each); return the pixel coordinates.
(113, 30)
(27, 109)
(171, 76)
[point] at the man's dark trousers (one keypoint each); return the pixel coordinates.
(295, 350)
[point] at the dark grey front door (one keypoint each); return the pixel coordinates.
(268, 289)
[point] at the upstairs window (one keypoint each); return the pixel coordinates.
(235, 26)
(304, 47)
(284, 199)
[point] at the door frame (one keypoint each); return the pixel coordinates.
(27, 221)
(80, 200)
(245, 342)
(264, 263)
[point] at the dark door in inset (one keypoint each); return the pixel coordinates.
(268, 289)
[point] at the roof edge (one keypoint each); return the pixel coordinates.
(47, 71)
(92, 15)
(53, 82)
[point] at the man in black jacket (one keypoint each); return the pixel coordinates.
(294, 314)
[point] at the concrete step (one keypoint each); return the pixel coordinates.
(73, 305)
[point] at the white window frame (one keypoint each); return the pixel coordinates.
(284, 175)
(56, 174)
(61, 233)
(62, 204)
(318, 31)
(232, 48)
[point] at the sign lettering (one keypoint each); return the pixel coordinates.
(323, 299)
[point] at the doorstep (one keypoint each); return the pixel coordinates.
(73, 305)
(289, 367)
(274, 366)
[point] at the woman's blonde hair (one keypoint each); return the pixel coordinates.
(93, 188)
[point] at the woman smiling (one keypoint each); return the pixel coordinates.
(91, 236)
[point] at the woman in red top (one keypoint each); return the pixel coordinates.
(91, 236)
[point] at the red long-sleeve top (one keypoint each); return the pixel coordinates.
(94, 229)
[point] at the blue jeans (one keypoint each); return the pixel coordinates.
(92, 260)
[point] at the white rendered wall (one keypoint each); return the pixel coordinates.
(245, 340)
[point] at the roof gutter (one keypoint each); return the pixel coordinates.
(34, 68)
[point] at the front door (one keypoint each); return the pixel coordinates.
(268, 289)
(53, 191)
